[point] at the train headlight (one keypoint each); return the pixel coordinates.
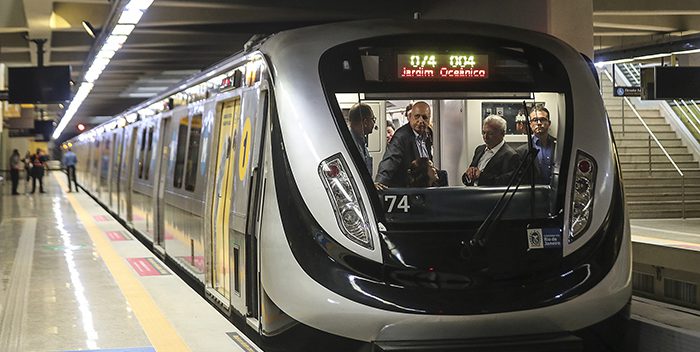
(347, 204)
(582, 195)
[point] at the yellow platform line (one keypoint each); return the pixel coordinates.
(159, 330)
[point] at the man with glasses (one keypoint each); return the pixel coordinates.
(362, 122)
(494, 161)
(411, 141)
(543, 143)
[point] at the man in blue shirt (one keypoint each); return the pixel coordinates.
(69, 161)
(543, 143)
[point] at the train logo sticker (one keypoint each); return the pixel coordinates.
(544, 238)
(534, 239)
(244, 150)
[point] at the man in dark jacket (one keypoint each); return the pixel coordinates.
(362, 122)
(38, 165)
(411, 141)
(543, 143)
(495, 161)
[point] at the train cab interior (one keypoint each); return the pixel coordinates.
(456, 125)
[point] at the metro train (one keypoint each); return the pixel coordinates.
(246, 179)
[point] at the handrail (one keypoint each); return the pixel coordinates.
(651, 134)
(635, 72)
(686, 115)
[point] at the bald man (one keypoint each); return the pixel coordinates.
(411, 141)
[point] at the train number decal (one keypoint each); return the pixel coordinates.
(397, 203)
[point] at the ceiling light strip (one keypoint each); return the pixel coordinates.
(128, 18)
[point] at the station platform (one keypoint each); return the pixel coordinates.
(72, 278)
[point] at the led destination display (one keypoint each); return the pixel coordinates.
(442, 66)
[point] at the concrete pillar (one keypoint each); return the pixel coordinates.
(570, 21)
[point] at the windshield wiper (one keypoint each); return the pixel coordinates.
(482, 234)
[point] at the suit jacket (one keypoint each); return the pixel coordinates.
(522, 151)
(393, 169)
(500, 168)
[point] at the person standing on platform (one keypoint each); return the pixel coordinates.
(15, 166)
(69, 161)
(27, 171)
(38, 165)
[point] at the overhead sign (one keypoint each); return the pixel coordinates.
(627, 91)
(430, 66)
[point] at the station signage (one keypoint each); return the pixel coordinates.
(623, 91)
(447, 67)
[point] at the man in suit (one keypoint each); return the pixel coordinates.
(411, 141)
(495, 161)
(543, 144)
(362, 122)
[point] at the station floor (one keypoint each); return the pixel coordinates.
(72, 278)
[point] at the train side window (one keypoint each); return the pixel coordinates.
(149, 145)
(181, 149)
(193, 153)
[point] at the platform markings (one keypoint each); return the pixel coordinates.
(158, 329)
(117, 236)
(147, 267)
(241, 342)
(15, 304)
(101, 218)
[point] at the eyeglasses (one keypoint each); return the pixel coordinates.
(539, 120)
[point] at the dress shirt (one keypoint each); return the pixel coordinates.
(545, 158)
(488, 154)
(420, 144)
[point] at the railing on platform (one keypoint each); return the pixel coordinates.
(651, 136)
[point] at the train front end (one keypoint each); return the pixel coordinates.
(532, 263)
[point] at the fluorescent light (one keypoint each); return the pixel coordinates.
(130, 17)
(82, 93)
(123, 29)
(684, 52)
(106, 53)
(139, 4)
(116, 39)
(111, 46)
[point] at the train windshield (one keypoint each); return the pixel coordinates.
(449, 133)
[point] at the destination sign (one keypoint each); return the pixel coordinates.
(428, 66)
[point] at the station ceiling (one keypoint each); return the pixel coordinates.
(176, 38)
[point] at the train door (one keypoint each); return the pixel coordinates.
(230, 115)
(129, 169)
(243, 241)
(159, 186)
(117, 172)
(256, 190)
(114, 171)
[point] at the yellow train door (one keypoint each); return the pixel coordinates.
(223, 186)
